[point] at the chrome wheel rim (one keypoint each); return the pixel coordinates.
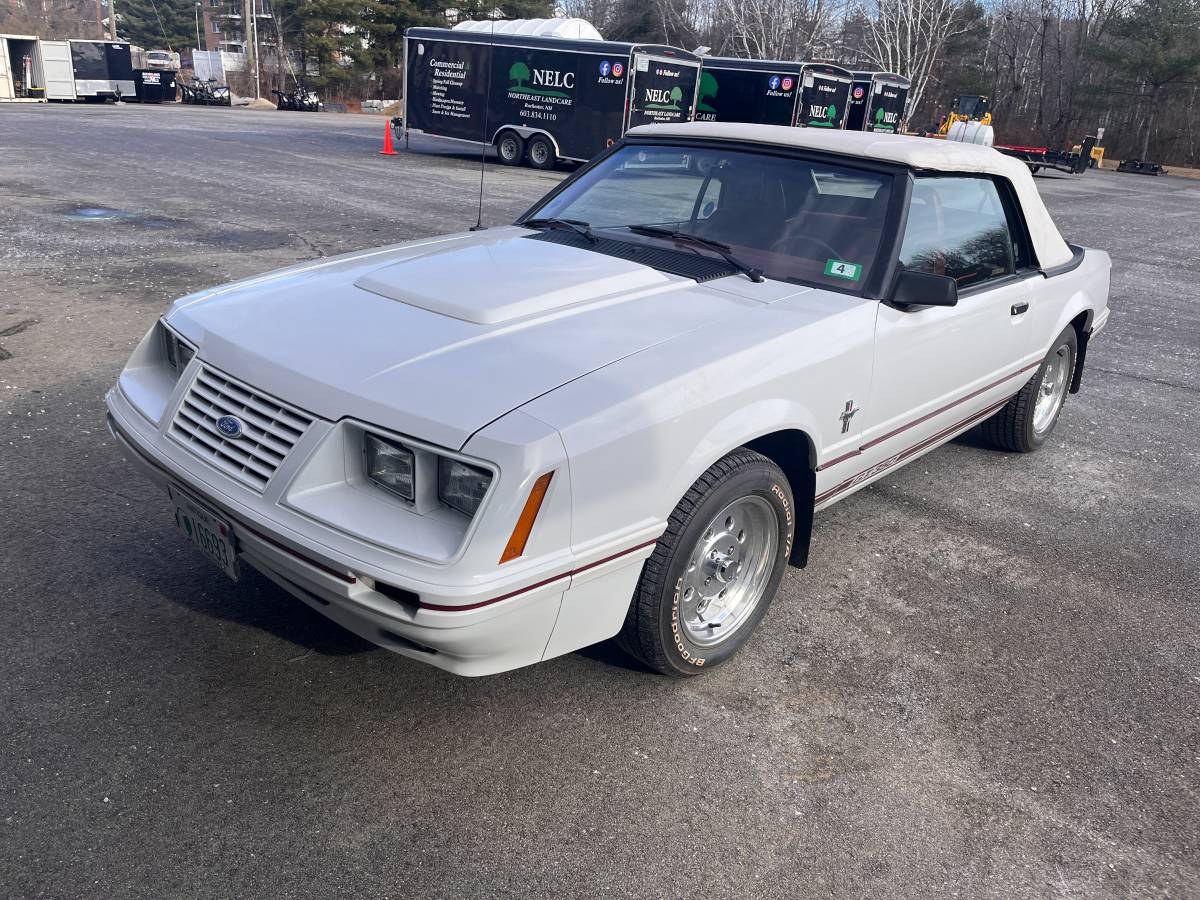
(508, 148)
(539, 152)
(728, 570)
(1055, 380)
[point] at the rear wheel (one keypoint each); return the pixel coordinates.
(541, 152)
(510, 148)
(715, 569)
(1027, 420)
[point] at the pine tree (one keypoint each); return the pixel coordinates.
(330, 37)
(157, 24)
(1158, 43)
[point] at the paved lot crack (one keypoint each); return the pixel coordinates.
(1146, 378)
(10, 331)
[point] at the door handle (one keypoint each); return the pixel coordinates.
(1019, 307)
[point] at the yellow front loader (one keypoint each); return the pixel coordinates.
(967, 108)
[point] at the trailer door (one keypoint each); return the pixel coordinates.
(56, 67)
(661, 90)
(824, 98)
(6, 85)
(887, 107)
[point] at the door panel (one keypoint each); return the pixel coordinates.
(6, 87)
(939, 369)
(958, 359)
(57, 70)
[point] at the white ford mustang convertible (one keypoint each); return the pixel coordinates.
(617, 416)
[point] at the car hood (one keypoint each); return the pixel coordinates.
(438, 338)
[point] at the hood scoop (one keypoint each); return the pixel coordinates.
(507, 279)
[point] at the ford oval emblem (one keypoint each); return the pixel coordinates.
(230, 426)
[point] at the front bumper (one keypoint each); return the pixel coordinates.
(469, 625)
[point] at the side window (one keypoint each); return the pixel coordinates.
(957, 226)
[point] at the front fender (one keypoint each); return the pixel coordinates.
(739, 428)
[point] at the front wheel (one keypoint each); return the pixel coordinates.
(510, 148)
(715, 569)
(541, 153)
(1024, 423)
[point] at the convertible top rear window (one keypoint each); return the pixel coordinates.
(801, 220)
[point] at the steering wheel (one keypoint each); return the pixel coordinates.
(820, 243)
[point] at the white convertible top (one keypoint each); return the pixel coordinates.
(919, 153)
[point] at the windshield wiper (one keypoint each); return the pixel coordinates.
(686, 237)
(576, 225)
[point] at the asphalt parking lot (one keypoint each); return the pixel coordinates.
(987, 682)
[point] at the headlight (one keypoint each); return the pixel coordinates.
(390, 466)
(176, 352)
(461, 486)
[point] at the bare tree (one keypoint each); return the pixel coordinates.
(773, 29)
(908, 36)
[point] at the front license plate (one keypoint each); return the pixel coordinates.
(211, 534)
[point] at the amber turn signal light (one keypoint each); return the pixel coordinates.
(533, 505)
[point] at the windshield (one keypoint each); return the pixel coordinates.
(793, 219)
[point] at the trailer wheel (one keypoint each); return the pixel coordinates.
(510, 148)
(541, 153)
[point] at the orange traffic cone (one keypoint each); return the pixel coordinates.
(387, 139)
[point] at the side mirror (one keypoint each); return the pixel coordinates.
(924, 289)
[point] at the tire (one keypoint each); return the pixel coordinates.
(1026, 422)
(540, 153)
(1033, 170)
(734, 527)
(510, 147)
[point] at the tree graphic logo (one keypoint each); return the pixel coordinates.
(831, 113)
(541, 81)
(879, 116)
(661, 98)
(708, 91)
(518, 73)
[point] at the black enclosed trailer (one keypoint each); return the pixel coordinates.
(541, 98)
(102, 69)
(772, 93)
(877, 102)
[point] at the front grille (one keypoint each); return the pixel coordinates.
(269, 429)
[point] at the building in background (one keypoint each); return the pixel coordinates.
(224, 24)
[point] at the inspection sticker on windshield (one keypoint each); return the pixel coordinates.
(839, 269)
